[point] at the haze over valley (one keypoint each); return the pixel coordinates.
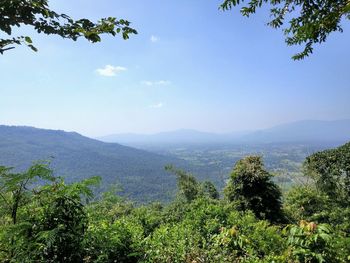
(309, 131)
(138, 168)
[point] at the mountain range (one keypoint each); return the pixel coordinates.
(313, 131)
(140, 172)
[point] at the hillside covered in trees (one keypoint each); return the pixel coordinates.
(76, 157)
(252, 222)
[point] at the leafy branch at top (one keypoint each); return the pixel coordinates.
(37, 14)
(309, 22)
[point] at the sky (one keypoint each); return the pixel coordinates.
(192, 66)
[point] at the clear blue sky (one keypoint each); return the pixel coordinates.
(191, 66)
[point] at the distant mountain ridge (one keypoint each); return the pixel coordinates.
(304, 131)
(77, 157)
(177, 136)
(141, 173)
(300, 131)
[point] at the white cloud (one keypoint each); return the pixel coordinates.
(147, 83)
(163, 82)
(154, 39)
(156, 83)
(110, 71)
(157, 106)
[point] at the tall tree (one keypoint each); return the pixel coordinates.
(251, 187)
(38, 15)
(308, 22)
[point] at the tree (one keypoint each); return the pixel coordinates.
(38, 15)
(330, 169)
(59, 229)
(251, 187)
(309, 22)
(190, 188)
(209, 190)
(16, 190)
(187, 184)
(325, 199)
(305, 202)
(42, 222)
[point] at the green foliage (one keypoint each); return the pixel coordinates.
(43, 223)
(148, 217)
(310, 242)
(37, 14)
(308, 22)
(187, 184)
(209, 190)
(305, 202)
(325, 200)
(61, 231)
(189, 188)
(113, 242)
(246, 240)
(58, 222)
(250, 186)
(330, 170)
(308, 203)
(173, 243)
(15, 195)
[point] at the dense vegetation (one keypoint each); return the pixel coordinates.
(253, 222)
(76, 158)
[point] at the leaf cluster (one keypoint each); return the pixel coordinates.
(306, 22)
(38, 15)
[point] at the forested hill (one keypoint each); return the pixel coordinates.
(76, 157)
